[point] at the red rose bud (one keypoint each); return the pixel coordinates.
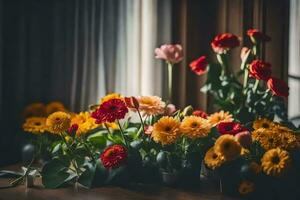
(244, 138)
(199, 66)
(278, 87)
(73, 129)
(224, 42)
(256, 36)
(260, 70)
(231, 128)
(132, 103)
(200, 113)
(113, 156)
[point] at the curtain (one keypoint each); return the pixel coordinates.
(294, 59)
(76, 51)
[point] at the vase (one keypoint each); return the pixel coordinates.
(169, 178)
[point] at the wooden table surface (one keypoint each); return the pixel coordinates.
(107, 193)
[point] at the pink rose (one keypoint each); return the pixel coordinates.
(244, 138)
(170, 109)
(170, 53)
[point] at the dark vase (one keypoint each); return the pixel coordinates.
(170, 178)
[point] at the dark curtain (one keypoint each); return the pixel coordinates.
(196, 22)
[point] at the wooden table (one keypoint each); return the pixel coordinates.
(107, 193)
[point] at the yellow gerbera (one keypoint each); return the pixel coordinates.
(35, 125)
(228, 147)
(280, 128)
(111, 96)
(195, 127)
(58, 122)
(166, 130)
(55, 106)
(85, 123)
(35, 110)
(213, 160)
(289, 141)
(219, 117)
(275, 162)
(246, 187)
(263, 123)
(151, 105)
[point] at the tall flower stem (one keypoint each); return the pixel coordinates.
(170, 81)
(142, 122)
(88, 150)
(122, 134)
(255, 85)
(222, 59)
(246, 76)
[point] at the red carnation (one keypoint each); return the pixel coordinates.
(199, 66)
(200, 113)
(260, 70)
(278, 87)
(256, 36)
(224, 42)
(230, 128)
(73, 129)
(110, 111)
(113, 156)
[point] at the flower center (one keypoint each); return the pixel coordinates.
(194, 124)
(265, 125)
(275, 160)
(228, 128)
(37, 123)
(113, 108)
(215, 156)
(167, 129)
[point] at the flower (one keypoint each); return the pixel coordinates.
(278, 87)
(110, 111)
(55, 106)
(166, 130)
(200, 113)
(195, 127)
(275, 162)
(151, 105)
(58, 122)
(72, 130)
(148, 129)
(213, 160)
(132, 103)
(231, 128)
(199, 66)
(111, 96)
(260, 70)
(246, 187)
(170, 109)
(35, 125)
(244, 138)
(288, 141)
(224, 42)
(263, 123)
(228, 147)
(267, 138)
(245, 51)
(219, 117)
(112, 126)
(170, 53)
(35, 110)
(113, 156)
(85, 123)
(256, 36)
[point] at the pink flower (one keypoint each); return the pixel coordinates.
(73, 129)
(244, 138)
(170, 109)
(170, 53)
(148, 130)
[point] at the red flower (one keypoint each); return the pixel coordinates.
(110, 111)
(231, 128)
(200, 113)
(224, 42)
(199, 66)
(113, 156)
(73, 129)
(260, 70)
(257, 36)
(132, 102)
(278, 87)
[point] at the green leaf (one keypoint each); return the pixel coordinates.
(94, 175)
(55, 174)
(98, 139)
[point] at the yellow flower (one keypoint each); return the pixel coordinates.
(55, 106)
(35, 110)
(263, 123)
(58, 122)
(289, 141)
(35, 125)
(151, 105)
(85, 123)
(219, 117)
(268, 139)
(166, 130)
(280, 128)
(113, 126)
(195, 127)
(254, 167)
(228, 147)
(246, 187)
(213, 160)
(275, 162)
(111, 96)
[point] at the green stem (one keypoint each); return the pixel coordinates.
(89, 151)
(255, 85)
(170, 81)
(223, 62)
(122, 134)
(107, 128)
(245, 84)
(142, 122)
